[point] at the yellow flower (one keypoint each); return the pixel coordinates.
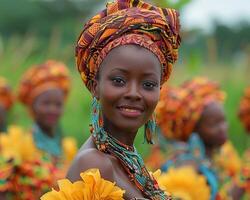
(92, 187)
(69, 148)
(184, 183)
(18, 144)
(68, 191)
(232, 165)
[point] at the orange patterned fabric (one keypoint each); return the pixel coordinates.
(179, 109)
(244, 110)
(6, 97)
(128, 22)
(38, 79)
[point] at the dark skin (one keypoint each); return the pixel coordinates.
(47, 110)
(212, 127)
(128, 88)
(2, 118)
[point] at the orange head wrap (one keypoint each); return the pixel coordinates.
(128, 22)
(179, 109)
(38, 79)
(244, 110)
(6, 97)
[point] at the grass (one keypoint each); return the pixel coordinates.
(17, 54)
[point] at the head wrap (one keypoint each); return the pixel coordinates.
(128, 22)
(6, 97)
(46, 76)
(179, 109)
(244, 109)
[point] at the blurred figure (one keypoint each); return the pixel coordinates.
(6, 102)
(42, 157)
(244, 115)
(25, 173)
(194, 131)
(43, 90)
(244, 110)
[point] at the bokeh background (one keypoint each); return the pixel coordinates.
(215, 43)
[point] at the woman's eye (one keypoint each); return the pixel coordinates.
(150, 85)
(118, 81)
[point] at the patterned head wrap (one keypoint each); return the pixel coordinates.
(128, 22)
(180, 109)
(244, 109)
(6, 97)
(38, 79)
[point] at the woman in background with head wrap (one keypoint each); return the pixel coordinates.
(124, 54)
(192, 117)
(31, 165)
(6, 102)
(244, 115)
(244, 110)
(43, 89)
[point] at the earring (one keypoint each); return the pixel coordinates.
(149, 130)
(97, 120)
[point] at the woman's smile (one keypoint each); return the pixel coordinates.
(130, 111)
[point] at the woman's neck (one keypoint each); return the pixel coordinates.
(47, 130)
(124, 136)
(210, 151)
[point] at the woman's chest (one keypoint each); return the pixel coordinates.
(122, 179)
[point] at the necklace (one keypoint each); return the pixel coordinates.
(132, 163)
(128, 157)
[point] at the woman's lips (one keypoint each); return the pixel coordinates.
(52, 118)
(129, 111)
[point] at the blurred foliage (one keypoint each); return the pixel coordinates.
(177, 4)
(229, 40)
(225, 45)
(41, 16)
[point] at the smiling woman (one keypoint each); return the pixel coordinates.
(124, 54)
(43, 90)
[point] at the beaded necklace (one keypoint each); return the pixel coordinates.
(128, 157)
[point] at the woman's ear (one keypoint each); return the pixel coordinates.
(95, 89)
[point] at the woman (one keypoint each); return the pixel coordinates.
(192, 119)
(244, 110)
(123, 55)
(43, 89)
(6, 102)
(244, 115)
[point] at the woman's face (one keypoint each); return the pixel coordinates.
(212, 126)
(48, 108)
(128, 87)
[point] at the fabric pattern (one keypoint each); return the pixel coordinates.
(6, 96)
(40, 78)
(175, 118)
(128, 22)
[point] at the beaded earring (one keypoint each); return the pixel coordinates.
(149, 130)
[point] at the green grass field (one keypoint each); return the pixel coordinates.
(17, 54)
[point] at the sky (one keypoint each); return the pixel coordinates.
(202, 13)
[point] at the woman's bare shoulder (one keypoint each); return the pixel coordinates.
(91, 158)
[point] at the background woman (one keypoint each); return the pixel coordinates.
(43, 90)
(6, 102)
